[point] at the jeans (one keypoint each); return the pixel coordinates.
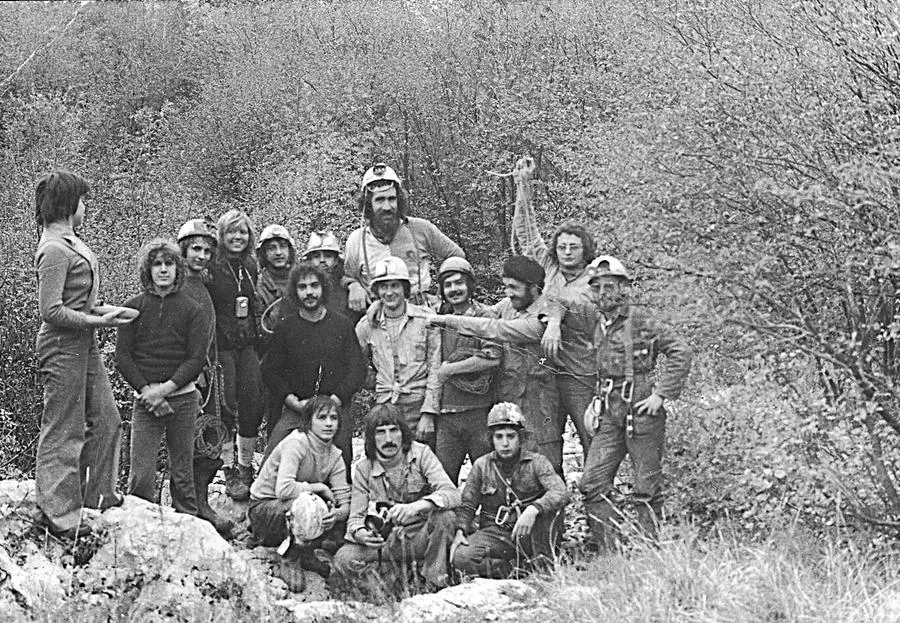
(575, 394)
(146, 432)
(459, 434)
(491, 552)
(78, 449)
(240, 367)
(608, 449)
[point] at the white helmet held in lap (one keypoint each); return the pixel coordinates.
(306, 517)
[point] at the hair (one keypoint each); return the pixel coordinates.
(227, 221)
(165, 247)
(298, 272)
(524, 435)
(407, 287)
(575, 229)
(364, 202)
(524, 269)
(385, 415)
(56, 196)
(261, 252)
(316, 405)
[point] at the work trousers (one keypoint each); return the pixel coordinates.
(492, 553)
(459, 434)
(575, 394)
(269, 525)
(146, 432)
(428, 543)
(610, 445)
(78, 448)
(240, 367)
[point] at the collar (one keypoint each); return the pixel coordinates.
(412, 311)
(378, 467)
(524, 456)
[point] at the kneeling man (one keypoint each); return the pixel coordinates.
(521, 498)
(401, 503)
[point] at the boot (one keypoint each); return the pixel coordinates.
(648, 521)
(311, 562)
(245, 473)
(604, 533)
(235, 487)
(204, 471)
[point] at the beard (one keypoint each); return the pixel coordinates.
(522, 303)
(386, 224)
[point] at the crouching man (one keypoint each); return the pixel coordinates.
(521, 498)
(304, 461)
(401, 503)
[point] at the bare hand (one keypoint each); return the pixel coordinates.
(293, 403)
(552, 340)
(329, 519)
(459, 539)
(373, 311)
(357, 298)
(322, 490)
(650, 405)
(152, 395)
(445, 371)
(402, 514)
(109, 319)
(425, 426)
(525, 523)
(368, 538)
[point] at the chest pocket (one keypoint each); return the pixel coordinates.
(416, 488)
(644, 354)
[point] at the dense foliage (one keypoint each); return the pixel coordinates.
(741, 155)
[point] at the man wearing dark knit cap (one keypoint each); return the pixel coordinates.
(527, 378)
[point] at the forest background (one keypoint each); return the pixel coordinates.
(741, 156)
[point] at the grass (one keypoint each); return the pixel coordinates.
(792, 576)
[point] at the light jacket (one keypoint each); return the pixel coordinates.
(424, 478)
(405, 371)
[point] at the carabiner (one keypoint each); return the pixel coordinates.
(502, 515)
(627, 391)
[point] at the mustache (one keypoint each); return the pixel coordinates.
(390, 444)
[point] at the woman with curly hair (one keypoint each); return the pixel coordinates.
(78, 447)
(234, 274)
(160, 355)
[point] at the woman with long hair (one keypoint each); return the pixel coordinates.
(78, 448)
(234, 273)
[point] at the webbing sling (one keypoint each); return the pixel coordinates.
(628, 385)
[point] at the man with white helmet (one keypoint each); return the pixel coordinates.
(466, 373)
(521, 498)
(627, 414)
(404, 350)
(386, 231)
(324, 250)
(197, 240)
(276, 253)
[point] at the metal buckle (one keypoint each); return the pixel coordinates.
(629, 394)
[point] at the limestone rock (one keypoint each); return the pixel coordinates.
(487, 599)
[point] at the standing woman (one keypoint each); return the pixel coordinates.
(78, 448)
(233, 290)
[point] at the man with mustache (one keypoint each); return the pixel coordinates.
(466, 373)
(527, 378)
(401, 504)
(314, 352)
(388, 231)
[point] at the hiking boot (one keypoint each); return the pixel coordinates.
(204, 472)
(292, 573)
(235, 486)
(245, 472)
(41, 523)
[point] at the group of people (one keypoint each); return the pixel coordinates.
(230, 331)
